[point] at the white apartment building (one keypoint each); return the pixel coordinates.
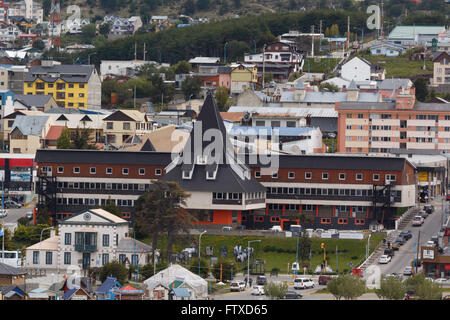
(26, 8)
(88, 239)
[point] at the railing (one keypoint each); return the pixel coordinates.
(85, 248)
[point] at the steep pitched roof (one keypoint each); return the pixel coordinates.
(68, 73)
(107, 285)
(148, 146)
(38, 101)
(54, 133)
(9, 270)
(29, 125)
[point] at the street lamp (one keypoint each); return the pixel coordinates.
(3, 219)
(248, 258)
(199, 244)
(362, 37)
(89, 57)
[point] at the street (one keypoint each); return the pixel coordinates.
(16, 214)
(403, 257)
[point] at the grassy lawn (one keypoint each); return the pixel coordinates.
(285, 249)
(400, 67)
(322, 66)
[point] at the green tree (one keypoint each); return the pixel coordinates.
(429, 290)
(421, 89)
(275, 290)
(161, 211)
(391, 289)
(182, 67)
(191, 86)
(268, 77)
(189, 7)
(7, 234)
(346, 286)
(203, 4)
(38, 44)
(24, 221)
(63, 142)
(222, 98)
(42, 217)
(328, 87)
(88, 32)
(114, 269)
(104, 29)
(147, 270)
(81, 140)
(304, 247)
(228, 267)
(204, 267)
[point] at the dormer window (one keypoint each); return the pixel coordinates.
(211, 175)
(187, 174)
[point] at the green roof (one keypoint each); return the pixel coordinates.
(175, 284)
(408, 32)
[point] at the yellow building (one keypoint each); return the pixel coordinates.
(72, 86)
(242, 77)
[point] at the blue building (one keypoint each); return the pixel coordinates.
(387, 49)
(109, 289)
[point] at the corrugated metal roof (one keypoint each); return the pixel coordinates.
(281, 131)
(296, 112)
(328, 97)
(409, 32)
(30, 125)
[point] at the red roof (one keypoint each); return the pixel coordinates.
(54, 133)
(127, 288)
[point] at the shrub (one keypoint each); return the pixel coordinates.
(114, 269)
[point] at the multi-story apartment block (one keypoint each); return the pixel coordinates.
(27, 8)
(401, 124)
(280, 52)
(441, 69)
(72, 86)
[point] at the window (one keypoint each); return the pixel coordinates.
(106, 240)
(325, 220)
(341, 176)
(324, 175)
(275, 175)
(291, 175)
(360, 222)
(343, 221)
(134, 259)
(60, 169)
(76, 169)
(48, 257)
(109, 170)
(376, 177)
(81, 85)
(92, 170)
(308, 175)
(258, 218)
(141, 171)
(105, 258)
(35, 257)
(109, 125)
(158, 172)
(122, 258)
(125, 171)
(275, 219)
(359, 176)
(126, 126)
(67, 239)
(67, 258)
(257, 174)
(81, 95)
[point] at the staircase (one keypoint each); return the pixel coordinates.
(406, 219)
(379, 251)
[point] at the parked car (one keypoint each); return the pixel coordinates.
(258, 290)
(416, 263)
(237, 286)
(292, 295)
(400, 240)
(303, 283)
(3, 213)
(389, 252)
(29, 214)
(11, 204)
(396, 245)
(406, 234)
(423, 214)
(261, 280)
(430, 243)
(319, 231)
(227, 228)
(323, 280)
(384, 259)
(441, 281)
(417, 221)
(408, 271)
(429, 208)
(276, 229)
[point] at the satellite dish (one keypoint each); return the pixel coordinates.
(247, 116)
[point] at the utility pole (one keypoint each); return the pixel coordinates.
(264, 66)
(320, 36)
(348, 32)
(144, 51)
(418, 244)
(135, 52)
(312, 42)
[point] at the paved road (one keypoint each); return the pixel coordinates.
(403, 257)
(16, 214)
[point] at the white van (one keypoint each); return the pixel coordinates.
(303, 283)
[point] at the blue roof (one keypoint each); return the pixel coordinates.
(181, 292)
(281, 131)
(107, 285)
(69, 293)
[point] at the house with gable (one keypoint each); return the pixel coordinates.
(360, 69)
(108, 289)
(88, 239)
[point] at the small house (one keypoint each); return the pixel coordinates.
(108, 290)
(76, 294)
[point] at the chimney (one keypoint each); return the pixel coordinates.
(352, 91)
(299, 91)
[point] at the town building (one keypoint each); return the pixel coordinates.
(243, 77)
(120, 68)
(203, 61)
(28, 9)
(387, 49)
(276, 53)
(436, 259)
(72, 86)
(28, 133)
(88, 239)
(441, 69)
(213, 76)
(11, 276)
(359, 69)
(12, 77)
(411, 36)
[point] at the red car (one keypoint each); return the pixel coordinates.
(323, 280)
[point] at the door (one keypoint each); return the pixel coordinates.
(86, 260)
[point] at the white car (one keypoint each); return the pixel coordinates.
(258, 291)
(417, 221)
(303, 283)
(237, 286)
(430, 244)
(320, 231)
(3, 213)
(407, 271)
(441, 280)
(276, 229)
(384, 259)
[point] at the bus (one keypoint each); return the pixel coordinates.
(12, 258)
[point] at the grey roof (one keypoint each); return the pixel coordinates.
(409, 32)
(29, 100)
(293, 111)
(299, 85)
(352, 85)
(9, 270)
(394, 84)
(66, 72)
(419, 106)
(328, 97)
(30, 125)
(130, 244)
(103, 157)
(62, 110)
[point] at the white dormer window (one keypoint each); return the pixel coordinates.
(211, 175)
(187, 174)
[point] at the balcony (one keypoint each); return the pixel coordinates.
(86, 241)
(85, 248)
